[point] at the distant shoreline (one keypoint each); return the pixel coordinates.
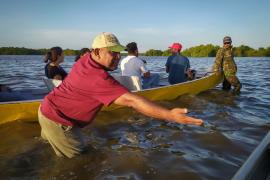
(208, 50)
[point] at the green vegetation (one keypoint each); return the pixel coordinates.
(208, 50)
(246, 51)
(21, 51)
(71, 52)
(153, 52)
(26, 51)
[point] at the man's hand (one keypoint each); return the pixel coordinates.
(178, 116)
(152, 109)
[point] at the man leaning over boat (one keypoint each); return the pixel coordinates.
(76, 102)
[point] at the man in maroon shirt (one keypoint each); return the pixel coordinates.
(88, 87)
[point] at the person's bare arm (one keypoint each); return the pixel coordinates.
(151, 109)
(147, 74)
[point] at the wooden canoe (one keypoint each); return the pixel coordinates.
(27, 110)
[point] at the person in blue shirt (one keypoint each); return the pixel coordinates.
(177, 65)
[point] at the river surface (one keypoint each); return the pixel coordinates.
(128, 145)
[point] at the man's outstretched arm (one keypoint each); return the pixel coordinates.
(152, 109)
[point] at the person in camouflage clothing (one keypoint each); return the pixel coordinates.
(225, 61)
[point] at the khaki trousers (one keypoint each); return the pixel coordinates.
(65, 140)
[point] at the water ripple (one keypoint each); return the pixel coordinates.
(128, 145)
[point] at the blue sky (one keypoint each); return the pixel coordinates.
(152, 24)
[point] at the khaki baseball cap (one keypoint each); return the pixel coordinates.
(107, 40)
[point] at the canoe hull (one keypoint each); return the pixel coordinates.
(173, 91)
(257, 166)
(27, 110)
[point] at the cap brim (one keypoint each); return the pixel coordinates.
(117, 48)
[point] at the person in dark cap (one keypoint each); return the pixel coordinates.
(225, 62)
(134, 66)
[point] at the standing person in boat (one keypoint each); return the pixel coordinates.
(177, 65)
(134, 66)
(82, 52)
(76, 102)
(54, 58)
(225, 61)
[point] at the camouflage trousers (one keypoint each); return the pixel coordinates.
(232, 80)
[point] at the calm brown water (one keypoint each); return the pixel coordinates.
(128, 145)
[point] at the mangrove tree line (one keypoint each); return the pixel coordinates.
(208, 50)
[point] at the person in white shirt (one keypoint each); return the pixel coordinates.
(134, 66)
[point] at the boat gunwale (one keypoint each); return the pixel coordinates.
(172, 85)
(144, 90)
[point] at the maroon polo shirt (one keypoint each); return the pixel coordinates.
(82, 94)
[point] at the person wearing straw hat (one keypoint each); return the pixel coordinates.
(76, 102)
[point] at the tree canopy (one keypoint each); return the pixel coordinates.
(207, 50)
(210, 50)
(153, 52)
(27, 51)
